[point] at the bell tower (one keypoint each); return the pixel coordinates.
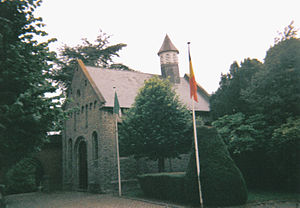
(169, 61)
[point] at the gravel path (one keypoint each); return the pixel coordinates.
(74, 200)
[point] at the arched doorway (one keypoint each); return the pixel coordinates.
(83, 168)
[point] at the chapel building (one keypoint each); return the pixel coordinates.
(89, 146)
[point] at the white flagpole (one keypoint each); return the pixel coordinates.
(118, 154)
(197, 155)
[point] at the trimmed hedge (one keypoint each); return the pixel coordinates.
(221, 181)
(168, 186)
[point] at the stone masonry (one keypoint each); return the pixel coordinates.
(89, 146)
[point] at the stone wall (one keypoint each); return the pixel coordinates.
(87, 118)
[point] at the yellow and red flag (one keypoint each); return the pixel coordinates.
(193, 84)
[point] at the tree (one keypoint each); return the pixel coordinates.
(26, 114)
(241, 134)
(284, 151)
(255, 132)
(158, 126)
(289, 32)
(274, 91)
(247, 140)
(99, 54)
(227, 99)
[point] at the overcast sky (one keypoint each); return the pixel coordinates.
(220, 31)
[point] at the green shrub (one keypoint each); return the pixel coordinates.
(23, 176)
(167, 186)
(222, 182)
(284, 152)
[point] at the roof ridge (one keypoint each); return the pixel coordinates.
(107, 69)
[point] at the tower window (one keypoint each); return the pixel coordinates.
(167, 58)
(175, 58)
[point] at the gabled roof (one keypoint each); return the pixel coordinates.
(127, 84)
(167, 46)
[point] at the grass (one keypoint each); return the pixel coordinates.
(254, 196)
(261, 196)
(135, 193)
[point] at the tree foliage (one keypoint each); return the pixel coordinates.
(228, 99)
(241, 133)
(274, 91)
(257, 135)
(99, 54)
(26, 114)
(289, 32)
(158, 126)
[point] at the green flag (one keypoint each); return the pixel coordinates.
(116, 105)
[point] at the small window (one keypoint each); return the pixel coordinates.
(85, 82)
(82, 109)
(78, 93)
(95, 148)
(175, 59)
(91, 105)
(70, 154)
(75, 121)
(86, 116)
(167, 58)
(95, 104)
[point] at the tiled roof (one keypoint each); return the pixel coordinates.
(127, 84)
(167, 46)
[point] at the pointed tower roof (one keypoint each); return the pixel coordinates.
(167, 46)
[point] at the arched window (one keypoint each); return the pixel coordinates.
(70, 154)
(95, 147)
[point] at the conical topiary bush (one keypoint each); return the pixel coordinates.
(222, 182)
